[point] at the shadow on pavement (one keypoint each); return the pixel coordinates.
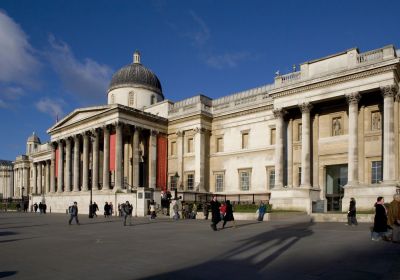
(4, 274)
(6, 233)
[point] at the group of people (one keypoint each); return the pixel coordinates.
(387, 220)
(108, 209)
(221, 212)
(42, 207)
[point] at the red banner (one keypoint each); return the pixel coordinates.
(112, 151)
(56, 163)
(161, 182)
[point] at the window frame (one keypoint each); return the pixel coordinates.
(244, 171)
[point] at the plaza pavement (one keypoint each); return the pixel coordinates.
(34, 246)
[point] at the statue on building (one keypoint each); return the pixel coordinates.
(336, 127)
(376, 121)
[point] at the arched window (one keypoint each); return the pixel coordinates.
(131, 99)
(153, 99)
(112, 99)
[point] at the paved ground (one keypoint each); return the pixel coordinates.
(45, 247)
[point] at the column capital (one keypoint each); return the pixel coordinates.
(200, 130)
(305, 107)
(154, 132)
(390, 90)
(353, 98)
(279, 113)
(180, 133)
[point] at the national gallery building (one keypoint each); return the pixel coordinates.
(314, 138)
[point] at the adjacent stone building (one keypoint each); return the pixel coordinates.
(312, 139)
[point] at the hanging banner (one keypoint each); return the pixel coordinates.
(161, 182)
(56, 163)
(112, 151)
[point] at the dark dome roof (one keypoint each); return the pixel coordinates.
(135, 74)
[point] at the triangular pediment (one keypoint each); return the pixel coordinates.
(79, 115)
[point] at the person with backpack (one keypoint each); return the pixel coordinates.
(73, 211)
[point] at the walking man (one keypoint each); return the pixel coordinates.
(215, 215)
(127, 212)
(73, 211)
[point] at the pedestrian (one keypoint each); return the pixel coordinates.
(111, 211)
(106, 210)
(394, 217)
(175, 208)
(222, 210)
(119, 210)
(40, 208)
(215, 214)
(127, 209)
(44, 208)
(380, 228)
(194, 211)
(262, 208)
(73, 211)
(228, 217)
(95, 208)
(152, 210)
(35, 207)
(351, 214)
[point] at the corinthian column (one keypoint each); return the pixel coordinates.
(279, 123)
(60, 178)
(95, 160)
(39, 187)
(76, 163)
(353, 99)
(85, 161)
(106, 161)
(135, 156)
(118, 157)
(34, 167)
(68, 164)
(52, 169)
(388, 93)
(305, 145)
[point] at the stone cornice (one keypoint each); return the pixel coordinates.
(333, 81)
(244, 112)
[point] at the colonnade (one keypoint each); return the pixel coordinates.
(389, 93)
(79, 162)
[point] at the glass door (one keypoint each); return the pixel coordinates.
(336, 178)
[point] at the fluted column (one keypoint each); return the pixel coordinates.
(60, 178)
(152, 159)
(40, 174)
(52, 169)
(135, 153)
(68, 165)
(95, 160)
(118, 157)
(353, 99)
(279, 123)
(199, 157)
(47, 178)
(106, 159)
(34, 169)
(388, 93)
(290, 153)
(85, 163)
(305, 145)
(76, 163)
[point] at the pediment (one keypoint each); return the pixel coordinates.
(79, 115)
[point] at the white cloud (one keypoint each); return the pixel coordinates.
(51, 107)
(202, 35)
(18, 62)
(86, 80)
(229, 60)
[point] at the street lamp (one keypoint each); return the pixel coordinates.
(176, 177)
(91, 183)
(22, 199)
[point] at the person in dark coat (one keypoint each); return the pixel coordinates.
(215, 215)
(228, 214)
(95, 208)
(73, 211)
(380, 221)
(351, 214)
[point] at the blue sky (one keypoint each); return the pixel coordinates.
(56, 56)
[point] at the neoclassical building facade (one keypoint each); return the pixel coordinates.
(310, 141)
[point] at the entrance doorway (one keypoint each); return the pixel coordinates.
(336, 178)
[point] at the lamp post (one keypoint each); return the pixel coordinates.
(91, 184)
(176, 177)
(22, 199)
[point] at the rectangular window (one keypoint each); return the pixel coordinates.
(173, 182)
(245, 140)
(173, 148)
(219, 182)
(220, 144)
(376, 172)
(190, 145)
(190, 182)
(244, 179)
(273, 136)
(299, 132)
(271, 178)
(299, 179)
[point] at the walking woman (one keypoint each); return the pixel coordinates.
(351, 215)
(380, 221)
(228, 214)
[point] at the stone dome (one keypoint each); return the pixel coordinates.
(134, 75)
